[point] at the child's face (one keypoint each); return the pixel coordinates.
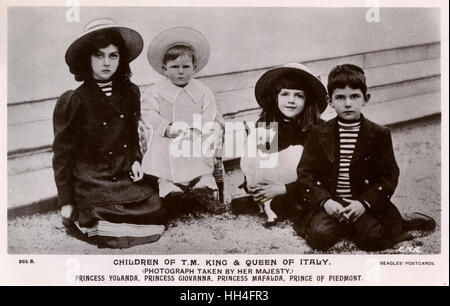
(104, 63)
(180, 70)
(348, 102)
(291, 102)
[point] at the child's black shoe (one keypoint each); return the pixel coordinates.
(418, 221)
(207, 198)
(244, 205)
(269, 224)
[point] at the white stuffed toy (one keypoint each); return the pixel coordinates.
(274, 166)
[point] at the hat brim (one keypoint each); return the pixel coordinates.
(174, 37)
(265, 84)
(132, 39)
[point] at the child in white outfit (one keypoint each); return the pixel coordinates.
(180, 113)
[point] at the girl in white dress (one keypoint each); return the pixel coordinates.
(292, 99)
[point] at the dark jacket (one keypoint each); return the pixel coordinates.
(95, 145)
(373, 170)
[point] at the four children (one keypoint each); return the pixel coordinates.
(342, 187)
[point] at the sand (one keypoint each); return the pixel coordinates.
(418, 151)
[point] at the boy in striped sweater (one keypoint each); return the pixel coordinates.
(348, 174)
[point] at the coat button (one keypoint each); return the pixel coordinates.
(380, 188)
(319, 183)
(121, 116)
(110, 153)
(125, 145)
(307, 190)
(366, 181)
(104, 123)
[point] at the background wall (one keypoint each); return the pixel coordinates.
(240, 38)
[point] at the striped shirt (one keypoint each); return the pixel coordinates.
(106, 87)
(348, 135)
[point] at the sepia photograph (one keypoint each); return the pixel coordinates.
(199, 130)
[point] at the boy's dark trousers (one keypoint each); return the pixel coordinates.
(368, 232)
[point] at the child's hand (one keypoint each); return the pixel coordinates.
(354, 210)
(266, 191)
(191, 134)
(334, 209)
(136, 172)
(172, 132)
(66, 214)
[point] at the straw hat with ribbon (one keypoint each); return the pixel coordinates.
(132, 39)
(296, 72)
(179, 36)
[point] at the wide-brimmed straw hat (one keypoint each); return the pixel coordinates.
(297, 73)
(179, 36)
(132, 39)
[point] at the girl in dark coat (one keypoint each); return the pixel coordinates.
(97, 159)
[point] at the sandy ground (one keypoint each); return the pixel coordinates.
(417, 147)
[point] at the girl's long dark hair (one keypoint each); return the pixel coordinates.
(309, 116)
(82, 68)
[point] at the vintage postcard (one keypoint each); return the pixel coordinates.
(209, 143)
